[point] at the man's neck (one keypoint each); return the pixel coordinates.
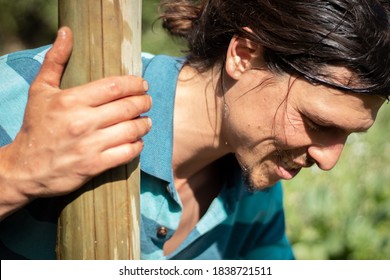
(198, 116)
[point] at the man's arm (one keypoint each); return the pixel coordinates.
(71, 135)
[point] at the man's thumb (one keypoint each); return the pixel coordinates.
(56, 58)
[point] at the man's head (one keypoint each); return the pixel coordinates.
(298, 76)
(277, 124)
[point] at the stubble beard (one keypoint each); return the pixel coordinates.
(254, 180)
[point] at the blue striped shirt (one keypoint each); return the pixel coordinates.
(238, 224)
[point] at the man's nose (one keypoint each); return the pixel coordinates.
(327, 156)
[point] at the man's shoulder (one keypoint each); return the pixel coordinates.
(17, 71)
(156, 63)
(37, 54)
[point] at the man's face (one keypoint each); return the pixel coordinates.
(286, 123)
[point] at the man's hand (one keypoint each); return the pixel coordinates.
(69, 136)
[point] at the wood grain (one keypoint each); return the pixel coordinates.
(101, 221)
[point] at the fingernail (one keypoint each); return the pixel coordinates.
(61, 33)
(150, 122)
(146, 85)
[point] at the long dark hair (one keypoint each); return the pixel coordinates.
(300, 37)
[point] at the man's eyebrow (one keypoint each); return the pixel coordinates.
(326, 123)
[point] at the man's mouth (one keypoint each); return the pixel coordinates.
(287, 168)
(288, 163)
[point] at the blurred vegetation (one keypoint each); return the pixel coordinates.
(341, 214)
(154, 39)
(33, 23)
(27, 24)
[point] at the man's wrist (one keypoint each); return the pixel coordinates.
(11, 185)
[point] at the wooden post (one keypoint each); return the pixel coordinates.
(102, 219)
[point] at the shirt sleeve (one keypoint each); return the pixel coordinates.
(29, 233)
(17, 71)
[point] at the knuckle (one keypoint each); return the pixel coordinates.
(50, 55)
(34, 88)
(132, 133)
(133, 150)
(87, 165)
(142, 103)
(89, 168)
(80, 151)
(137, 129)
(77, 127)
(65, 101)
(137, 105)
(134, 81)
(114, 86)
(128, 152)
(128, 108)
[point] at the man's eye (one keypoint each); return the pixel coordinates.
(312, 126)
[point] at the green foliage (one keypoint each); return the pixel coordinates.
(154, 39)
(29, 24)
(26, 24)
(342, 214)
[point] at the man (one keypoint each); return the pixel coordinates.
(252, 108)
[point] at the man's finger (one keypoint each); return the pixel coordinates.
(121, 110)
(109, 89)
(56, 58)
(120, 134)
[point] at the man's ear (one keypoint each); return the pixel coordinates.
(242, 55)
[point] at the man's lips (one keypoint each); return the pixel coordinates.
(287, 168)
(286, 173)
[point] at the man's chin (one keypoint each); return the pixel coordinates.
(258, 177)
(257, 183)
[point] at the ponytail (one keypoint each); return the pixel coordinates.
(178, 16)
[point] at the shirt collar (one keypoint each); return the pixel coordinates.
(161, 72)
